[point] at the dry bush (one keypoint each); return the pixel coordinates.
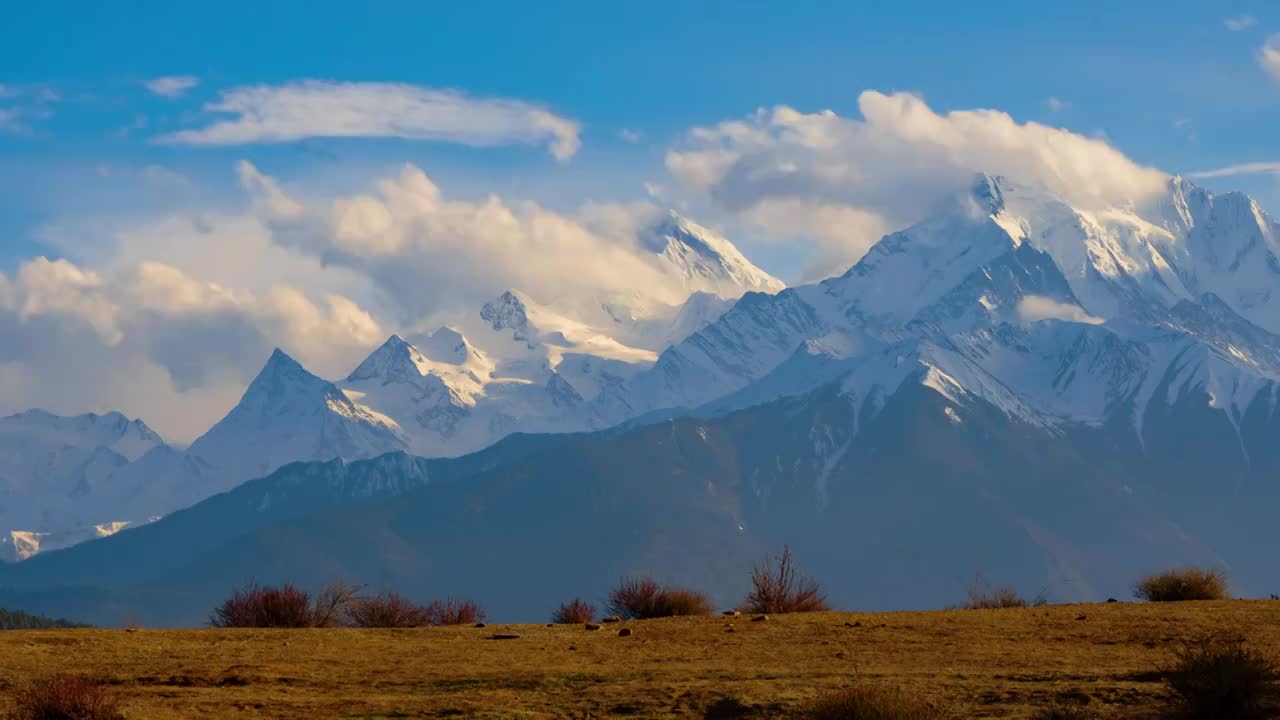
(780, 588)
(264, 607)
(387, 610)
(66, 697)
(1214, 678)
(573, 613)
(642, 598)
(871, 703)
(1183, 584)
(331, 604)
(454, 612)
(984, 597)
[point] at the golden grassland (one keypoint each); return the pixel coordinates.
(978, 663)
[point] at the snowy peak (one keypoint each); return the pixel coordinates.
(508, 312)
(289, 414)
(130, 439)
(447, 345)
(395, 361)
(988, 192)
(706, 260)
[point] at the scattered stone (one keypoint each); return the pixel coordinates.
(479, 625)
(612, 619)
(760, 618)
(592, 626)
(1081, 617)
(858, 624)
(624, 632)
(504, 636)
(573, 647)
(732, 613)
(1112, 600)
(730, 629)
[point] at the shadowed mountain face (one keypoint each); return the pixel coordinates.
(906, 512)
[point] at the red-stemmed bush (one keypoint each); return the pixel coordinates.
(643, 598)
(70, 697)
(264, 607)
(454, 612)
(387, 610)
(780, 588)
(575, 612)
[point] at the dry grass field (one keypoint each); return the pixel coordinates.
(977, 663)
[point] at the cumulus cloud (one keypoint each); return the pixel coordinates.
(1034, 308)
(1240, 22)
(431, 255)
(313, 108)
(1269, 57)
(172, 86)
(889, 167)
(1252, 168)
(155, 342)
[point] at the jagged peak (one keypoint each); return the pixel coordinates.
(395, 359)
(988, 191)
(508, 310)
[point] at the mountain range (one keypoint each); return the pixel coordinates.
(1048, 395)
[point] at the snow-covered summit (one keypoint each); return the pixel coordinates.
(129, 438)
(287, 414)
(706, 260)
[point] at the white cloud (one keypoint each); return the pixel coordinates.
(889, 167)
(1240, 22)
(1269, 57)
(631, 136)
(1034, 308)
(155, 342)
(313, 108)
(1057, 104)
(172, 86)
(431, 255)
(1252, 168)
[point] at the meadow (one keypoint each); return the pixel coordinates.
(1104, 659)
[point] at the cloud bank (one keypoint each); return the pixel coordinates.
(788, 170)
(315, 108)
(155, 342)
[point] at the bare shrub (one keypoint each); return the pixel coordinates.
(387, 610)
(984, 597)
(332, 602)
(1182, 584)
(66, 697)
(454, 612)
(573, 613)
(642, 598)
(780, 588)
(1222, 678)
(863, 702)
(264, 607)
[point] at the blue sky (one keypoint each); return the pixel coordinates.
(1171, 87)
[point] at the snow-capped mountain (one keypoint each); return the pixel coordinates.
(288, 414)
(706, 260)
(1138, 322)
(1004, 296)
(54, 470)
